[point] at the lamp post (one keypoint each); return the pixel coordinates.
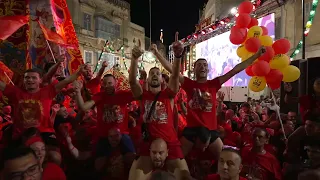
(303, 30)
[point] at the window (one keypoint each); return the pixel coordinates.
(307, 9)
(87, 21)
(277, 28)
(88, 55)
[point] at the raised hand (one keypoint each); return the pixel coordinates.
(137, 51)
(177, 47)
(220, 96)
(153, 48)
(77, 86)
(105, 64)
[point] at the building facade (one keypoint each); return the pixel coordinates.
(98, 21)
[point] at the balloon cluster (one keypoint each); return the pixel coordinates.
(274, 65)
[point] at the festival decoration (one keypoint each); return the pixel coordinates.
(245, 7)
(308, 27)
(273, 66)
(10, 24)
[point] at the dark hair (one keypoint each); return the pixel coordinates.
(200, 59)
(232, 150)
(312, 116)
(245, 105)
(109, 75)
(162, 175)
(154, 68)
(313, 141)
(33, 71)
(30, 132)
(204, 134)
(13, 152)
(261, 129)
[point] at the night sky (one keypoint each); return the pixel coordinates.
(169, 15)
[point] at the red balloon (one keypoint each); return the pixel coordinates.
(253, 22)
(252, 44)
(249, 71)
(281, 46)
(275, 85)
(245, 7)
(237, 37)
(268, 55)
(239, 31)
(264, 30)
(243, 20)
(261, 68)
(274, 76)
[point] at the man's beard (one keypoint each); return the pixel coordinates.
(154, 85)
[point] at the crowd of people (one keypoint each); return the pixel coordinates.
(165, 127)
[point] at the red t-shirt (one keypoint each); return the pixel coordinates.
(160, 124)
(262, 166)
(31, 109)
(201, 103)
(53, 172)
(307, 103)
(112, 111)
(217, 177)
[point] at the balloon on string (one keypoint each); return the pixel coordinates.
(265, 30)
(257, 83)
(279, 61)
(275, 85)
(254, 31)
(241, 51)
(248, 71)
(239, 31)
(245, 7)
(243, 20)
(281, 46)
(274, 76)
(290, 73)
(253, 22)
(261, 68)
(236, 38)
(268, 55)
(266, 40)
(252, 44)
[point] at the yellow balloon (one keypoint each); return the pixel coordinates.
(266, 40)
(254, 31)
(242, 51)
(279, 61)
(247, 56)
(290, 73)
(257, 84)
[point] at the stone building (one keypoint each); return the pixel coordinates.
(96, 21)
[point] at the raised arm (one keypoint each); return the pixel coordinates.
(48, 76)
(101, 71)
(134, 84)
(83, 106)
(70, 79)
(178, 53)
(241, 66)
(164, 62)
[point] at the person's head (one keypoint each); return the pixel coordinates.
(310, 174)
(201, 69)
(245, 107)
(249, 99)
(292, 116)
(316, 85)
(21, 163)
(261, 98)
(158, 152)
(203, 139)
(32, 79)
(260, 137)
(6, 110)
(229, 114)
(37, 145)
(89, 74)
(143, 75)
(114, 137)
(63, 111)
(109, 83)
(155, 77)
(162, 175)
(229, 164)
(312, 146)
(312, 124)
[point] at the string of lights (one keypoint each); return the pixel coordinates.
(308, 27)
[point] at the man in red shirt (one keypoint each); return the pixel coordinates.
(157, 114)
(229, 165)
(201, 106)
(31, 107)
(111, 113)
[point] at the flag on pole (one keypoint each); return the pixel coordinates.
(10, 24)
(5, 73)
(161, 35)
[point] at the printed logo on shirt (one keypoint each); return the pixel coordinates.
(201, 100)
(31, 111)
(159, 113)
(112, 113)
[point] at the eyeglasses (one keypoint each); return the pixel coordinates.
(31, 171)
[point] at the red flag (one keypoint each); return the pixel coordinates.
(5, 73)
(10, 24)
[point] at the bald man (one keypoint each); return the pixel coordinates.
(158, 153)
